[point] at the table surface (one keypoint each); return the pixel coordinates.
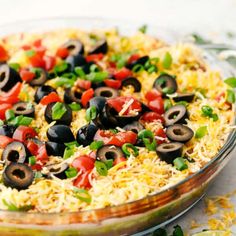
(212, 16)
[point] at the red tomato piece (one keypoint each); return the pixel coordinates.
(86, 96)
(62, 52)
(3, 54)
(3, 108)
(112, 83)
(133, 58)
(49, 62)
(11, 96)
(4, 141)
(27, 75)
(82, 181)
(83, 84)
(83, 163)
(161, 134)
(221, 95)
(22, 133)
(119, 160)
(37, 60)
(122, 74)
(94, 57)
(26, 47)
(42, 155)
(51, 97)
(152, 116)
(156, 105)
(152, 94)
(37, 167)
(37, 43)
(32, 147)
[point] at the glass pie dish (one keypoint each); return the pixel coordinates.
(143, 215)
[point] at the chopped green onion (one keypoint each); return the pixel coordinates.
(72, 144)
(178, 231)
(59, 69)
(231, 82)
(108, 163)
(215, 117)
(15, 66)
(96, 77)
(152, 69)
(201, 132)
(129, 149)
(159, 232)
(9, 114)
(143, 29)
(114, 131)
(148, 139)
(71, 172)
(207, 110)
(75, 106)
(58, 82)
(68, 153)
(30, 53)
(94, 68)
(32, 160)
(230, 97)
(37, 71)
(38, 175)
(58, 110)
(167, 90)
(180, 163)
(82, 195)
(167, 104)
(13, 207)
(154, 60)
(80, 72)
(150, 145)
(184, 103)
(121, 59)
(167, 61)
(70, 76)
(101, 168)
(91, 113)
(1, 122)
(145, 134)
(25, 120)
(96, 145)
(137, 68)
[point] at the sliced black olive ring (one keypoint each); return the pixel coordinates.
(42, 91)
(40, 79)
(139, 61)
(135, 126)
(132, 81)
(169, 151)
(72, 95)
(176, 115)
(187, 97)
(98, 102)
(58, 170)
(75, 60)
(86, 134)
(7, 130)
(109, 152)
(8, 77)
(60, 134)
(23, 108)
(100, 47)
(14, 152)
(55, 149)
(106, 92)
(18, 175)
(179, 133)
(165, 84)
(75, 47)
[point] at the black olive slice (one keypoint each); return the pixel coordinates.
(42, 91)
(60, 134)
(86, 67)
(72, 95)
(169, 151)
(139, 61)
(109, 152)
(126, 119)
(106, 92)
(135, 126)
(55, 149)
(40, 79)
(187, 97)
(100, 47)
(14, 152)
(165, 84)
(64, 120)
(8, 77)
(58, 170)
(18, 175)
(74, 46)
(98, 102)
(132, 81)
(179, 133)
(75, 60)
(7, 130)
(108, 117)
(86, 134)
(23, 108)
(176, 115)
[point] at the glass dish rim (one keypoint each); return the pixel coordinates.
(230, 139)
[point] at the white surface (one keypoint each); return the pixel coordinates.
(207, 16)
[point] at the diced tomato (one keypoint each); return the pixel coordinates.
(3, 54)
(62, 52)
(40, 51)
(3, 108)
(152, 94)
(37, 167)
(119, 102)
(32, 147)
(112, 64)
(161, 134)
(4, 141)
(42, 155)
(152, 116)
(86, 96)
(221, 95)
(37, 43)
(11, 96)
(122, 74)
(26, 47)
(155, 101)
(83, 163)
(27, 75)
(119, 160)
(51, 97)
(112, 83)
(37, 61)
(133, 58)
(50, 62)
(94, 57)
(108, 137)
(82, 181)
(83, 84)
(22, 133)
